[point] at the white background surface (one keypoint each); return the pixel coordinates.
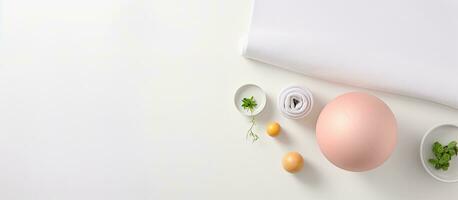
(118, 99)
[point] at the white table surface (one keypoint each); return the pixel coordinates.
(132, 99)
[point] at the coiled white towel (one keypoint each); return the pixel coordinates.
(295, 102)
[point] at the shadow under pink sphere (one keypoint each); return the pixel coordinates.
(356, 131)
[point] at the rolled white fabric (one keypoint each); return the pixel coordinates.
(411, 51)
(295, 102)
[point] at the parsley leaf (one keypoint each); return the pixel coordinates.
(443, 154)
(249, 103)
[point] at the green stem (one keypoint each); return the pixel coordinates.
(250, 132)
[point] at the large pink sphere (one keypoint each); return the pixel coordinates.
(356, 131)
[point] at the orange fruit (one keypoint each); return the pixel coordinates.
(293, 162)
(273, 129)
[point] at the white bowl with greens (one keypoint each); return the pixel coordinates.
(250, 99)
(438, 150)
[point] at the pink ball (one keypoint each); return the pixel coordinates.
(356, 131)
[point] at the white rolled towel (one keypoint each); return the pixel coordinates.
(295, 102)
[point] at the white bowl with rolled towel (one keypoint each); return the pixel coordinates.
(295, 102)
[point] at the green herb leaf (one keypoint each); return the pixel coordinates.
(433, 161)
(438, 149)
(443, 154)
(452, 151)
(250, 104)
(444, 159)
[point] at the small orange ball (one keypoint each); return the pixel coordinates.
(273, 129)
(293, 162)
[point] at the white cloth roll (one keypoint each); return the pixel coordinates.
(295, 102)
(399, 46)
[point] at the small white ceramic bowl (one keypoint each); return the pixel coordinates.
(246, 91)
(444, 134)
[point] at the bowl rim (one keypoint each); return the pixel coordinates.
(423, 162)
(260, 109)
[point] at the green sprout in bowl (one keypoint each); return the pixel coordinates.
(250, 104)
(443, 155)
